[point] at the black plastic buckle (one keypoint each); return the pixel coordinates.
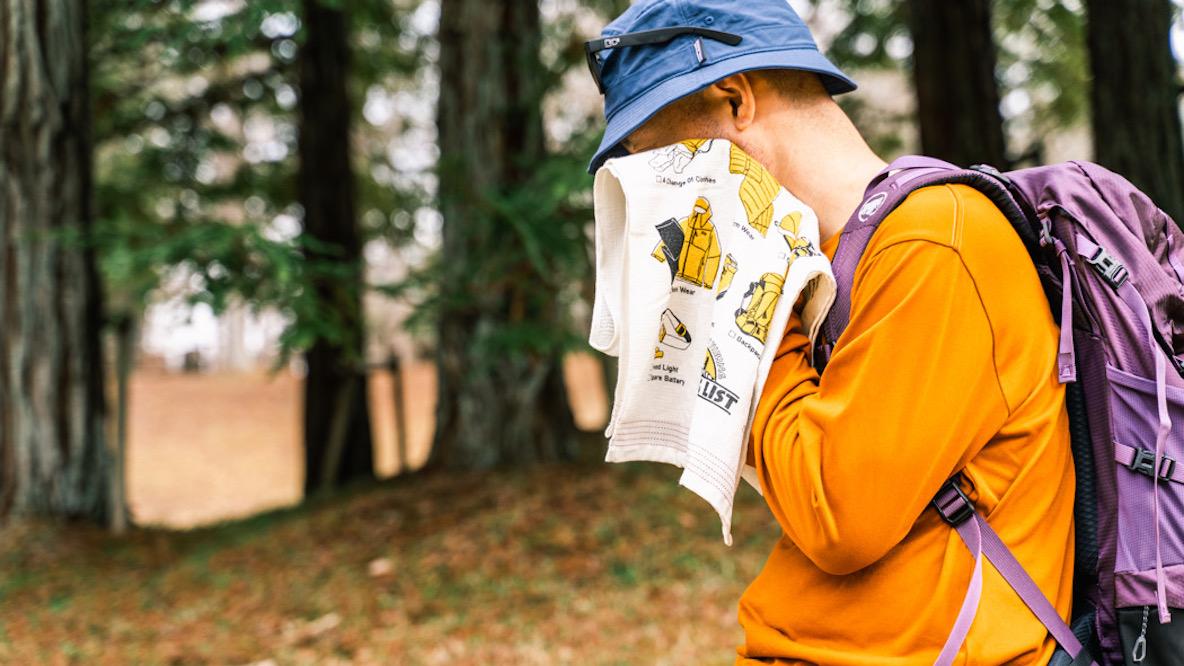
(991, 171)
(1144, 463)
(952, 504)
(1109, 268)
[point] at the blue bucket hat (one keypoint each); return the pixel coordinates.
(659, 51)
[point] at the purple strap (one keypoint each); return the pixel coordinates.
(884, 193)
(1126, 455)
(1138, 307)
(1066, 357)
(917, 162)
(980, 538)
(972, 536)
(1161, 436)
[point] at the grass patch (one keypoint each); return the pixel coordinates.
(601, 564)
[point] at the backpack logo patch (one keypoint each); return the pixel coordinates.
(872, 205)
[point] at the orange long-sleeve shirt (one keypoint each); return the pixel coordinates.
(948, 364)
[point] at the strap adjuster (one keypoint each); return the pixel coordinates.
(1144, 463)
(1108, 267)
(952, 504)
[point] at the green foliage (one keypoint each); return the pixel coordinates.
(529, 262)
(525, 263)
(872, 29)
(195, 135)
(1042, 61)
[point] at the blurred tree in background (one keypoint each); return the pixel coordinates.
(386, 178)
(247, 155)
(1136, 97)
(501, 397)
(954, 76)
(1041, 70)
(53, 457)
(337, 440)
(197, 135)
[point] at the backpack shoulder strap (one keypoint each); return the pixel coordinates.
(884, 194)
(887, 191)
(957, 510)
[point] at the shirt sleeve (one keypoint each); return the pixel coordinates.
(911, 393)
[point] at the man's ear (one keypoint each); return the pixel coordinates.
(736, 92)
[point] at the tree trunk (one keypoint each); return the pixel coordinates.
(53, 458)
(327, 193)
(125, 362)
(954, 73)
(399, 411)
(1135, 97)
(493, 407)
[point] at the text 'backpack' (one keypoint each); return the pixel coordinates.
(1112, 266)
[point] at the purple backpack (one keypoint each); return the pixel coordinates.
(1112, 266)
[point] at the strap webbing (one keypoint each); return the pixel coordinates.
(1125, 455)
(982, 540)
(972, 537)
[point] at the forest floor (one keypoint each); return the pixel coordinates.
(571, 564)
(210, 447)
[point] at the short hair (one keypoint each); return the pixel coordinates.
(793, 84)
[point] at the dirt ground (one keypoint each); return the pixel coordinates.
(210, 447)
(594, 564)
(597, 564)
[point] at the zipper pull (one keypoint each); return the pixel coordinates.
(1139, 650)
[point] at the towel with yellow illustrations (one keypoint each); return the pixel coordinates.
(700, 256)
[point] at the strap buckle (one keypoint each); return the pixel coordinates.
(1108, 267)
(1046, 238)
(1144, 463)
(952, 504)
(991, 171)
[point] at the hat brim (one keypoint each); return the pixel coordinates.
(634, 114)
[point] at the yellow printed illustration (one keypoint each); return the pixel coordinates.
(690, 247)
(709, 365)
(672, 333)
(679, 155)
(799, 245)
(757, 190)
(792, 223)
(756, 308)
(710, 388)
(725, 277)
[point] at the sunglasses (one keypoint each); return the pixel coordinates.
(593, 48)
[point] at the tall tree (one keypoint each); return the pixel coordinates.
(954, 72)
(1135, 97)
(53, 459)
(337, 438)
(501, 397)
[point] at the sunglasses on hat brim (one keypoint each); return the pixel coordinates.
(592, 48)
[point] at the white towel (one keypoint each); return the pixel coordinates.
(700, 256)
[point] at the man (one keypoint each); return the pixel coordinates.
(947, 366)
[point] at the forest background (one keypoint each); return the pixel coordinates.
(294, 300)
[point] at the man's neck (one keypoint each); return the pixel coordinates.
(821, 158)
